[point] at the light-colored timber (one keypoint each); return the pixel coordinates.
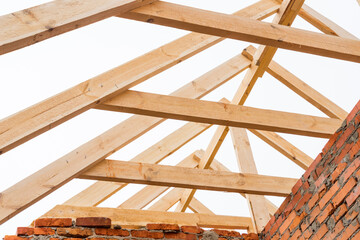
(245, 29)
(135, 217)
(157, 105)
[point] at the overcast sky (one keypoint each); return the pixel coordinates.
(37, 72)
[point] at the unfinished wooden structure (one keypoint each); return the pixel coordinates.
(110, 91)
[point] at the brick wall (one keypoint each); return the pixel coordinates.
(101, 229)
(325, 203)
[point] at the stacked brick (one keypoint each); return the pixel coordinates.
(99, 228)
(325, 203)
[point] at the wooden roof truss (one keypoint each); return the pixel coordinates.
(110, 91)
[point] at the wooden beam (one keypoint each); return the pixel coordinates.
(48, 179)
(197, 207)
(284, 147)
(91, 196)
(168, 200)
(204, 163)
(221, 113)
(32, 25)
(134, 217)
(301, 88)
(324, 24)
(285, 16)
(146, 195)
(257, 204)
(161, 175)
(45, 115)
(246, 29)
(217, 166)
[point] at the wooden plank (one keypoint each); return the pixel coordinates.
(58, 173)
(157, 105)
(284, 147)
(300, 87)
(146, 195)
(142, 217)
(324, 24)
(168, 200)
(285, 16)
(32, 25)
(161, 175)
(264, 54)
(205, 162)
(246, 29)
(216, 165)
(92, 196)
(197, 207)
(47, 114)
(257, 204)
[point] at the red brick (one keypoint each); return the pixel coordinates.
(296, 235)
(313, 200)
(97, 238)
(356, 236)
(112, 232)
(75, 239)
(252, 236)
(354, 150)
(338, 228)
(44, 231)
(307, 234)
(355, 193)
(191, 229)
(345, 235)
(329, 209)
(287, 222)
(313, 215)
(139, 233)
(180, 235)
(350, 170)
(161, 226)
(93, 222)
(74, 232)
(321, 231)
(226, 233)
(337, 200)
(296, 222)
(155, 235)
(296, 187)
(303, 200)
(24, 231)
(53, 222)
(339, 169)
(12, 237)
(326, 198)
(285, 235)
(339, 212)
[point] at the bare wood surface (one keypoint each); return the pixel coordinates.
(216, 165)
(172, 176)
(47, 114)
(32, 25)
(58, 173)
(157, 105)
(100, 191)
(284, 147)
(134, 217)
(245, 29)
(257, 204)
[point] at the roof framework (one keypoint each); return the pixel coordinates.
(110, 91)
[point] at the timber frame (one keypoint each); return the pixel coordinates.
(111, 91)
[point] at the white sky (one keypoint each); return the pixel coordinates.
(34, 73)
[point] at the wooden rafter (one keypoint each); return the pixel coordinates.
(245, 29)
(199, 170)
(161, 175)
(157, 105)
(56, 174)
(257, 204)
(36, 24)
(45, 115)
